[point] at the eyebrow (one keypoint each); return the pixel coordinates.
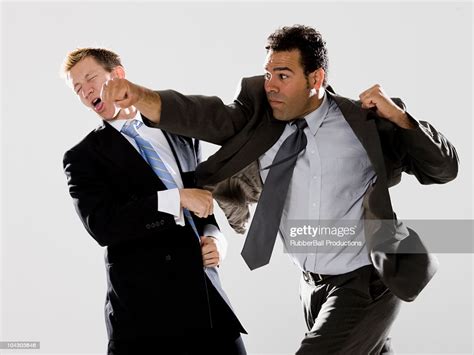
(281, 69)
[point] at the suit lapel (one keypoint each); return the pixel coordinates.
(185, 156)
(364, 127)
(183, 152)
(115, 148)
(171, 139)
(232, 158)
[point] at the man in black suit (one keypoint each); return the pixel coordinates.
(134, 190)
(338, 158)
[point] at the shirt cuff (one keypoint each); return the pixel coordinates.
(212, 231)
(170, 202)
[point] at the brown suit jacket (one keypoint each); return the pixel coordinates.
(246, 129)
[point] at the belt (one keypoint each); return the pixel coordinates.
(311, 276)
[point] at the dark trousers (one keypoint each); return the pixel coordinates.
(200, 343)
(347, 314)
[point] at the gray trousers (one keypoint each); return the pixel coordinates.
(347, 314)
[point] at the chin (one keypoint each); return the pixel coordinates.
(281, 118)
(277, 116)
(106, 116)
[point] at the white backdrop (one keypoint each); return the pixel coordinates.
(52, 272)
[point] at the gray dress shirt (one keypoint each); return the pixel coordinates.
(329, 182)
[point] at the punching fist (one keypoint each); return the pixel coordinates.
(121, 93)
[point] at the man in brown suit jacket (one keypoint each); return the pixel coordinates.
(340, 307)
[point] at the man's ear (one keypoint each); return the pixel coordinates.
(316, 78)
(118, 72)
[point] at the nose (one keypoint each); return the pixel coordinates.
(87, 91)
(271, 85)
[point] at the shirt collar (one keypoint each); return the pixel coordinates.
(316, 117)
(118, 124)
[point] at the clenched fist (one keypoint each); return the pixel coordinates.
(121, 93)
(211, 255)
(376, 98)
(198, 201)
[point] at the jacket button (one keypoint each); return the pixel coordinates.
(148, 226)
(168, 257)
(162, 222)
(153, 225)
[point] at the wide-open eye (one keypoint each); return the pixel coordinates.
(283, 76)
(267, 76)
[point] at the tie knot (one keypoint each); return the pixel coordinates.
(130, 128)
(300, 123)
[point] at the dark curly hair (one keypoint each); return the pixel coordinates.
(307, 40)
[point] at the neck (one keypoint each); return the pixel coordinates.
(316, 100)
(318, 96)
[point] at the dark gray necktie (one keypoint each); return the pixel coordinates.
(262, 233)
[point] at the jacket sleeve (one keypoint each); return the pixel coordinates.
(430, 157)
(110, 216)
(204, 117)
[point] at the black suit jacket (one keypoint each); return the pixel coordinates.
(156, 282)
(246, 129)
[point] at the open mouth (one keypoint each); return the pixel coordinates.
(98, 104)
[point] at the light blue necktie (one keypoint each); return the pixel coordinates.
(153, 159)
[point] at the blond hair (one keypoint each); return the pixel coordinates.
(105, 57)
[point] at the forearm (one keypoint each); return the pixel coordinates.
(116, 224)
(403, 120)
(149, 104)
(109, 214)
(206, 118)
